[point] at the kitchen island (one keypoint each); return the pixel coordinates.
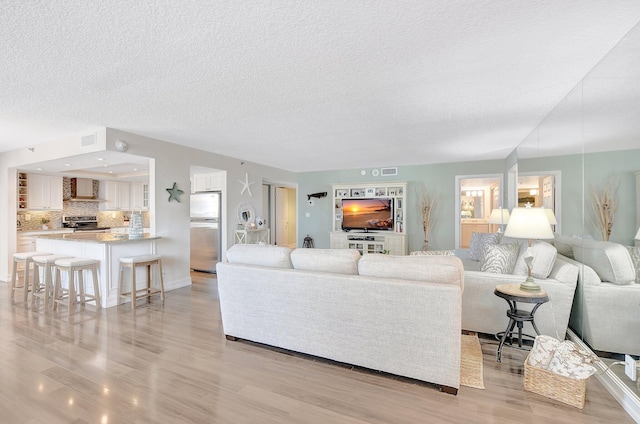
(105, 247)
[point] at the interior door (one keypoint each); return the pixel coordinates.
(282, 217)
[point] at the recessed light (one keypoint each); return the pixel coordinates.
(100, 158)
(67, 164)
(104, 166)
(38, 169)
(135, 169)
(110, 172)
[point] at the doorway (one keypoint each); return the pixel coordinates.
(541, 189)
(281, 200)
(476, 196)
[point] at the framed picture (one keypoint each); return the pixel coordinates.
(371, 191)
(342, 192)
(338, 217)
(381, 191)
(392, 192)
(357, 192)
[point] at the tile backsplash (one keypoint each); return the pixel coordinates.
(105, 218)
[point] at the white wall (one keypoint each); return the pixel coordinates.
(171, 163)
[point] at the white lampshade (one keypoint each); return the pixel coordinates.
(638, 234)
(529, 223)
(499, 216)
(551, 216)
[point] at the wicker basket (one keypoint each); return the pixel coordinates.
(554, 386)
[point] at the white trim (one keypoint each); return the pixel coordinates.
(620, 391)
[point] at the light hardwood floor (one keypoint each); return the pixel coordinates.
(172, 364)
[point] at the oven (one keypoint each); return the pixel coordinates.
(84, 224)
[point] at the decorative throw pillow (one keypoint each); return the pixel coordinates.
(569, 361)
(634, 251)
(542, 351)
(479, 242)
(433, 252)
(500, 258)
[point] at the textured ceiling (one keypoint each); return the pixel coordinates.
(301, 85)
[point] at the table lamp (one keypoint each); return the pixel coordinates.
(529, 223)
(499, 216)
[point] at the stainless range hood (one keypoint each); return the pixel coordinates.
(84, 190)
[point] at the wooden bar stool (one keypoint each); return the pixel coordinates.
(70, 295)
(132, 263)
(43, 288)
(25, 258)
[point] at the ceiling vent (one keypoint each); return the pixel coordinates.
(88, 140)
(388, 172)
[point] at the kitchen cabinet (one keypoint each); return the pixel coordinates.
(140, 196)
(468, 228)
(116, 195)
(207, 182)
(45, 192)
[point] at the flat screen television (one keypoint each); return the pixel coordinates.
(372, 214)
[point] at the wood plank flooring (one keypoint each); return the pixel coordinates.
(172, 364)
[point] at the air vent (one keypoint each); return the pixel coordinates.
(88, 140)
(386, 172)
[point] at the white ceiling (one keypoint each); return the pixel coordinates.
(301, 85)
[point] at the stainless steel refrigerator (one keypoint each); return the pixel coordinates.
(205, 231)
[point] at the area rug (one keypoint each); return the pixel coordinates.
(471, 362)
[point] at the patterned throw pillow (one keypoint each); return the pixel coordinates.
(634, 251)
(500, 258)
(569, 361)
(434, 252)
(542, 351)
(479, 243)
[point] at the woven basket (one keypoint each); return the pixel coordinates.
(554, 386)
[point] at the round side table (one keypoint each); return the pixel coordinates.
(513, 294)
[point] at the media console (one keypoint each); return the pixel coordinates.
(391, 243)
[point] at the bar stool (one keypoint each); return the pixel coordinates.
(27, 259)
(44, 288)
(132, 263)
(73, 266)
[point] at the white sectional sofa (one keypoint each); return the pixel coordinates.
(606, 308)
(396, 314)
(484, 312)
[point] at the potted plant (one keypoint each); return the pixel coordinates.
(44, 222)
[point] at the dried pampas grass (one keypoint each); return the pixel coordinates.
(605, 204)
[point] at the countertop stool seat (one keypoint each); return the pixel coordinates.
(25, 258)
(72, 295)
(43, 288)
(131, 263)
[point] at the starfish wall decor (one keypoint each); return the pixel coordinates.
(174, 193)
(246, 184)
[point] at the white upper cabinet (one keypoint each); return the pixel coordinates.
(45, 192)
(140, 196)
(116, 195)
(206, 182)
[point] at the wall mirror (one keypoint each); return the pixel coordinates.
(246, 214)
(476, 197)
(591, 137)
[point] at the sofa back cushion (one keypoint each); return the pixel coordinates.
(611, 261)
(434, 268)
(544, 257)
(339, 261)
(260, 254)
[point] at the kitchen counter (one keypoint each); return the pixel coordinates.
(109, 238)
(107, 248)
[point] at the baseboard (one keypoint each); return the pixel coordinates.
(620, 392)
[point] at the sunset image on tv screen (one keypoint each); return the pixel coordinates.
(367, 214)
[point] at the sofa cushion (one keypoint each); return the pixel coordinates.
(634, 252)
(433, 268)
(544, 257)
(564, 245)
(500, 258)
(260, 254)
(338, 261)
(611, 261)
(433, 252)
(479, 242)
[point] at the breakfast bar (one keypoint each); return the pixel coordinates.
(107, 248)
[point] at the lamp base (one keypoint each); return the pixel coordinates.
(530, 285)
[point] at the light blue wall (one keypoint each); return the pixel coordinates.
(438, 180)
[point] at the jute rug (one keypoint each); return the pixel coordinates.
(471, 362)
